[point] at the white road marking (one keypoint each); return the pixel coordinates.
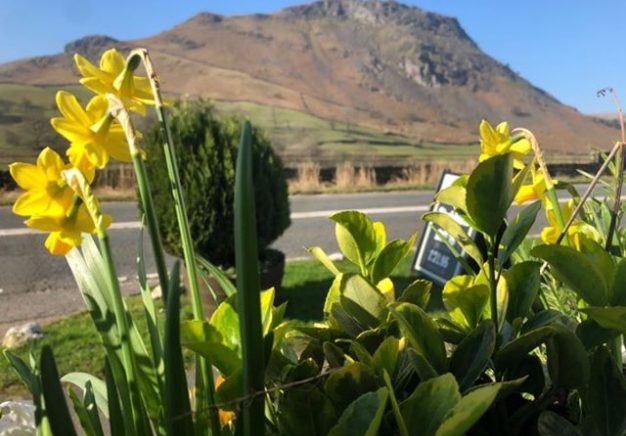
(373, 211)
(294, 216)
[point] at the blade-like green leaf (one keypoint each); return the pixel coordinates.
(490, 193)
(56, 407)
(248, 299)
(116, 418)
(473, 354)
(24, 372)
(220, 276)
(98, 387)
(363, 416)
(454, 229)
(177, 407)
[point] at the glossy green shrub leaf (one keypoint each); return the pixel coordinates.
(454, 195)
(363, 416)
(490, 193)
(321, 255)
(348, 383)
(362, 301)
(418, 293)
(454, 229)
(334, 355)
(333, 294)
(618, 291)
(340, 320)
(361, 353)
(355, 236)
(567, 359)
(472, 355)
(608, 317)
(386, 356)
(552, 424)
(422, 333)
(568, 364)
(390, 256)
(606, 395)
(523, 280)
(577, 271)
(422, 367)
(428, 406)
(466, 302)
(468, 411)
(592, 334)
(305, 410)
(517, 230)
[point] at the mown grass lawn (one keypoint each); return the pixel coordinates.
(76, 343)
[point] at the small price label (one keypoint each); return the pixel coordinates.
(433, 258)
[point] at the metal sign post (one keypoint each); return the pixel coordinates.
(433, 258)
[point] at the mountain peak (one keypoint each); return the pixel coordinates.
(91, 46)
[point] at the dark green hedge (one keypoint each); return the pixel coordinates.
(206, 148)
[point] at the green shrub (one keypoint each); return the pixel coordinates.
(206, 149)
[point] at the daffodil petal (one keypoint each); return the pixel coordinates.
(71, 131)
(27, 176)
(50, 163)
(31, 203)
(71, 109)
(112, 62)
(87, 69)
(45, 223)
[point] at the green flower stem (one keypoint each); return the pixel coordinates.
(147, 207)
(204, 381)
(130, 365)
(117, 110)
(556, 207)
(493, 284)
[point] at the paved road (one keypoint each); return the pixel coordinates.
(34, 284)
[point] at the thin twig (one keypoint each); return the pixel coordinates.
(619, 168)
(253, 395)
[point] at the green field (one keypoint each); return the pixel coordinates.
(25, 111)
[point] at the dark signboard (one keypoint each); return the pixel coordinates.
(433, 258)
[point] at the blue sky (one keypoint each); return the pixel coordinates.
(568, 48)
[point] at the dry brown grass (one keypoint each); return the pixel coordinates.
(428, 173)
(307, 178)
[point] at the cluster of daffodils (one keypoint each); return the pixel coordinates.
(50, 201)
(500, 141)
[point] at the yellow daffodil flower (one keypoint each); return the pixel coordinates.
(535, 190)
(113, 77)
(65, 232)
(498, 141)
(550, 233)
(46, 191)
(93, 135)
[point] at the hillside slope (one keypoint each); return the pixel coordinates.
(378, 65)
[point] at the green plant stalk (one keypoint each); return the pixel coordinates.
(147, 206)
(556, 207)
(493, 284)
(118, 111)
(248, 286)
(205, 387)
(620, 159)
(130, 365)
